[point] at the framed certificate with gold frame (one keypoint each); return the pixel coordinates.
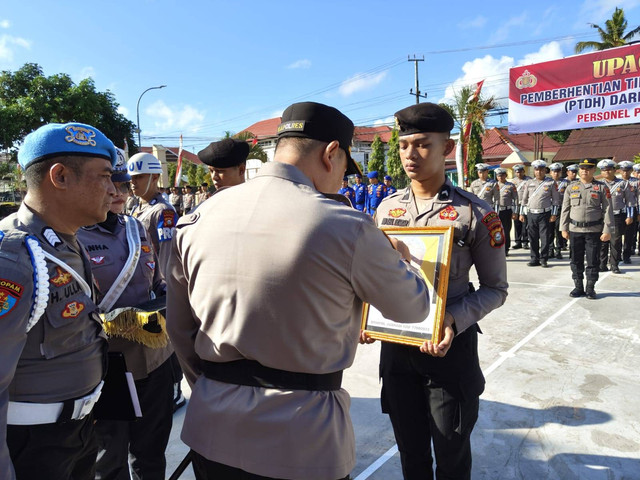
(430, 249)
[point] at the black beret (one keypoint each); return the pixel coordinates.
(226, 153)
(423, 117)
(319, 122)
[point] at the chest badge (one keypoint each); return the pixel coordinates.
(72, 309)
(97, 260)
(146, 248)
(151, 265)
(448, 213)
(397, 212)
(62, 278)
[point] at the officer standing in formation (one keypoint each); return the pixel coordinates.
(572, 173)
(347, 191)
(507, 205)
(361, 193)
(52, 346)
(264, 350)
(435, 397)
(636, 174)
(390, 189)
(124, 265)
(540, 204)
(227, 161)
(623, 201)
(375, 193)
(522, 236)
(587, 219)
(630, 230)
(159, 218)
(175, 199)
(556, 242)
(485, 188)
(188, 199)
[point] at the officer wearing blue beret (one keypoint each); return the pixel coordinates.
(390, 188)
(347, 191)
(52, 346)
(375, 192)
(361, 193)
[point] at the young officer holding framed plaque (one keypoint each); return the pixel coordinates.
(431, 393)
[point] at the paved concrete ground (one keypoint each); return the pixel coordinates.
(563, 385)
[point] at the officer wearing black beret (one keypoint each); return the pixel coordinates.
(227, 161)
(432, 393)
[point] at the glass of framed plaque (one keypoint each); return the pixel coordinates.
(430, 249)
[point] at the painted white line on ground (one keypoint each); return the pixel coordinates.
(378, 463)
(503, 357)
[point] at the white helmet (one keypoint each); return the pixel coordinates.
(606, 163)
(142, 163)
(539, 163)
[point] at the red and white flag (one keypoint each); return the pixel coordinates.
(467, 129)
(179, 169)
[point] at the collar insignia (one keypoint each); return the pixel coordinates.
(51, 237)
(397, 212)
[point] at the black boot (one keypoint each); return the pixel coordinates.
(579, 290)
(591, 293)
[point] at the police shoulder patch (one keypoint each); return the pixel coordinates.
(10, 293)
(188, 220)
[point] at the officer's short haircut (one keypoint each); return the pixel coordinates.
(37, 172)
(301, 145)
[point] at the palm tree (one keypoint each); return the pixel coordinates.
(467, 109)
(612, 36)
(256, 150)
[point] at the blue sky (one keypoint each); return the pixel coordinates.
(230, 64)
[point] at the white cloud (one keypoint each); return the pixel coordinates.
(277, 113)
(385, 121)
(360, 82)
(185, 119)
(8, 44)
(124, 111)
(5, 23)
(503, 32)
(478, 22)
(304, 63)
(495, 72)
(87, 72)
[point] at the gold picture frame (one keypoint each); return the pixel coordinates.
(430, 249)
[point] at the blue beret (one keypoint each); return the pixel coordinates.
(358, 175)
(345, 179)
(372, 174)
(58, 140)
(388, 177)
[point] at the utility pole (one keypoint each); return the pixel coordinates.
(417, 92)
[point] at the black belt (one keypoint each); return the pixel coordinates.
(586, 224)
(253, 374)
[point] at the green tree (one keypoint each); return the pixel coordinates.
(256, 150)
(191, 171)
(612, 35)
(172, 168)
(467, 109)
(29, 99)
(376, 158)
(394, 164)
(559, 136)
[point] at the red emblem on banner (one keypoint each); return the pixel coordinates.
(448, 213)
(397, 212)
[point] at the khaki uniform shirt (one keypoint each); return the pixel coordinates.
(487, 190)
(540, 195)
(175, 199)
(62, 355)
(273, 271)
(478, 240)
(159, 218)
(508, 196)
(108, 252)
(587, 203)
(520, 183)
(188, 202)
(622, 196)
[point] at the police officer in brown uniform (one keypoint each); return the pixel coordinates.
(556, 242)
(623, 201)
(124, 264)
(507, 205)
(264, 326)
(519, 180)
(485, 188)
(188, 199)
(629, 233)
(540, 204)
(432, 394)
(587, 220)
(52, 346)
(227, 161)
